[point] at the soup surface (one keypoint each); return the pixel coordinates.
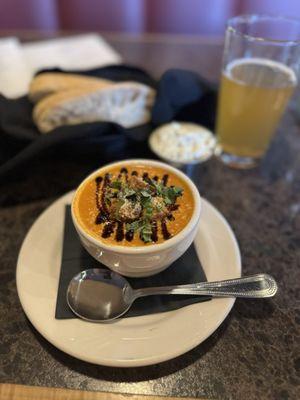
(133, 205)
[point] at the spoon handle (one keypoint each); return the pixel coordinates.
(254, 286)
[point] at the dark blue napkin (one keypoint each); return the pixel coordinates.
(181, 95)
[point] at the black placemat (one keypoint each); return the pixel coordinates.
(187, 269)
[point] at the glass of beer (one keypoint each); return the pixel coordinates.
(260, 69)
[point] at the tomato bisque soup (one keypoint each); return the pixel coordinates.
(133, 205)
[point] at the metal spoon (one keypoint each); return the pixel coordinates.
(99, 295)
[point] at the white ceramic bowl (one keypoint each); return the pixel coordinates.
(208, 146)
(148, 260)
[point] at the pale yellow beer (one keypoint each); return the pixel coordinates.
(253, 96)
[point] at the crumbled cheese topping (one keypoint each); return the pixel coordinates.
(183, 142)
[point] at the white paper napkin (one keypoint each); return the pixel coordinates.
(18, 63)
(15, 74)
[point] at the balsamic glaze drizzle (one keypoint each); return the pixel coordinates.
(119, 232)
(129, 235)
(123, 171)
(101, 217)
(105, 183)
(165, 179)
(98, 181)
(154, 236)
(118, 227)
(108, 229)
(103, 214)
(166, 234)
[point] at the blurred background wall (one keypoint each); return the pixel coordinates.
(135, 16)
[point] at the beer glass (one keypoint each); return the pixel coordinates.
(260, 69)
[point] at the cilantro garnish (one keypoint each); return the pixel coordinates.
(146, 232)
(118, 205)
(171, 193)
(116, 184)
(143, 227)
(129, 192)
(148, 208)
(144, 193)
(143, 201)
(133, 226)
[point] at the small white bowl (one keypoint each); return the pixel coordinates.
(208, 147)
(147, 260)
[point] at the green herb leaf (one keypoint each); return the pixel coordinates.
(170, 194)
(153, 199)
(160, 189)
(146, 232)
(145, 194)
(145, 201)
(133, 226)
(116, 184)
(120, 202)
(167, 200)
(107, 201)
(111, 193)
(148, 210)
(177, 190)
(159, 207)
(129, 192)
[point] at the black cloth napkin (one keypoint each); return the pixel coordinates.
(185, 270)
(181, 95)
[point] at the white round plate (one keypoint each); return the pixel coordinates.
(127, 342)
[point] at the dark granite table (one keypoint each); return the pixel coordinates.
(255, 353)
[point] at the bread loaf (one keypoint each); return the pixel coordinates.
(128, 104)
(48, 83)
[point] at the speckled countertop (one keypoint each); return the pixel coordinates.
(255, 353)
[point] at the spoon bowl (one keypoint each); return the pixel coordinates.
(100, 295)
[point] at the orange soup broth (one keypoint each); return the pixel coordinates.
(85, 207)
